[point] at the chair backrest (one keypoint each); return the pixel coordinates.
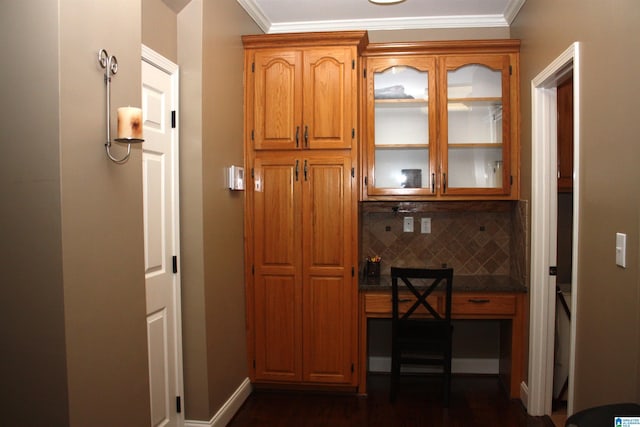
(422, 282)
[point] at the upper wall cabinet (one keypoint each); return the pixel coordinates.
(303, 90)
(441, 121)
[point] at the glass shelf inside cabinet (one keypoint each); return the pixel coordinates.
(475, 136)
(401, 128)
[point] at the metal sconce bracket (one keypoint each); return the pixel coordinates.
(110, 65)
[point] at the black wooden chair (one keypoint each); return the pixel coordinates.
(421, 334)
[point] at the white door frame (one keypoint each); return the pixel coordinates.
(155, 59)
(543, 229)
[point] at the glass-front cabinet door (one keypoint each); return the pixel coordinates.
(474, 125)
(401, 126)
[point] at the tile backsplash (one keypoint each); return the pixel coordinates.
(478, 241)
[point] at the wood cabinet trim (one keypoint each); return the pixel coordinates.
(441, 47)
(360, 39)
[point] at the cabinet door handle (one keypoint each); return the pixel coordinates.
(297, 136)
(306, 136)
(479, 300)
(444, 182)
(305, 170)
(433, 183)
(297, 168)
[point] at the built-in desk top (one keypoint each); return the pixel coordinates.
(460, 284)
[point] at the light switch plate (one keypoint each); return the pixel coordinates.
(621, 250)
(407, 224)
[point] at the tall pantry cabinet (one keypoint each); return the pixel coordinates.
(301, 121)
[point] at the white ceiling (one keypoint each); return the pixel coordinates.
(280, 16)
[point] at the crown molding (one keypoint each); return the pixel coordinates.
(415, 23)
(410, 23)
(512, 9)
(256, 13)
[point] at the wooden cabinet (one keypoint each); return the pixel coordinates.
(304, 295)
(441, 121)
(302, 97)
(301, 207)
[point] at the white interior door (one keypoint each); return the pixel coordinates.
(161, 234)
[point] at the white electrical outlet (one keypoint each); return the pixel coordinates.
(425, 225)
(407, 224)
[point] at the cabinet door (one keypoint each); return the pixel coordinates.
(475, 125)
(277, 288)
(329, 296)
(329, 111)
(277, 99)
(401, 132)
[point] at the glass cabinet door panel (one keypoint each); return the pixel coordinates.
(474, 81)
(475, 167)
(402, 109)
(475, 122)
(401, 82)
(475, 145)
(402, 168)
(401, 124)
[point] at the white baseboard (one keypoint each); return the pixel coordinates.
(228, 410)
(458, 366)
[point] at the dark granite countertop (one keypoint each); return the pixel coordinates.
(460, 284)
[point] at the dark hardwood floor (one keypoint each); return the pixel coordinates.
(476, 401)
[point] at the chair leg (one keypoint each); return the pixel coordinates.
(395, 373)
(447, 376)
(447, 384)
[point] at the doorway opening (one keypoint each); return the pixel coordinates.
(544, 231)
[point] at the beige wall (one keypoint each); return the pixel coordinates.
(160, 28)
(223, 71)
(211, 59)
(75, 302)
(607, 316)
(102, 234)
(31, 294)
(194, 328)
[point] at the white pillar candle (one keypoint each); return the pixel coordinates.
(129, 123)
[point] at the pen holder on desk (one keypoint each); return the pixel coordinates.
(372, 269)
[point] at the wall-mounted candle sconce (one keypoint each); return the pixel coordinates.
(129, 118)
